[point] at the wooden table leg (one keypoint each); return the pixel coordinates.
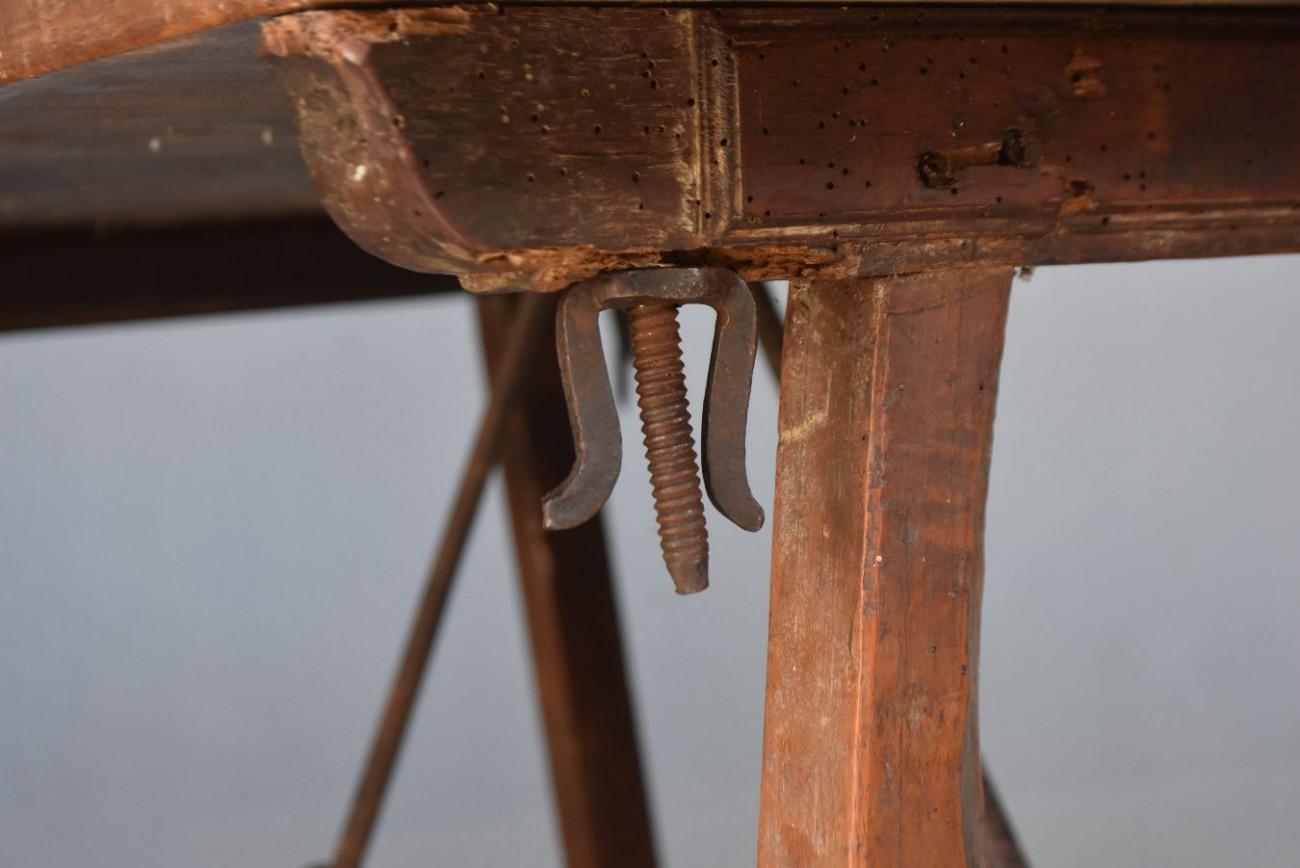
(574, 631)
(871, 749)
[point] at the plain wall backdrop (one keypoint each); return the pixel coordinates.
(212, 533)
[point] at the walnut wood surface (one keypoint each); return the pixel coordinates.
(195, 131)
(38, 36)
(534, 147)
(871, 749)
(1097, 135)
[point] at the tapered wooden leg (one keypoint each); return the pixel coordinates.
(871, 748)
(574, 632)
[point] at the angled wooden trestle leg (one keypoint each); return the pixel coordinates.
(568, 596)
(871, 747)
(568, 593)
(386, 744)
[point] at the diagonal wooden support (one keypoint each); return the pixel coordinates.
(529, 325)
(569, 598)
(871, 748)
(568, 592)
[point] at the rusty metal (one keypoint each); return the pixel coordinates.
(669, 445)
(650, 298)
(529, 324)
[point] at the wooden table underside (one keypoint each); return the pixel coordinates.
(39, 36)
(815, 141)
(895, 161)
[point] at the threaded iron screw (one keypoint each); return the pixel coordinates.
(669, 444)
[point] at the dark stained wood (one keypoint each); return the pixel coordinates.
(573, 625)
(38, 36)
(1003, 847)
(514, 368)
(80, 277)
(871, 748)
(771, 327)
(1068, 122)
(188, 133)
(422, 129)
(198, 130)
(541, 145)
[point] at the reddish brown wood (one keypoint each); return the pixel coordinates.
(1004, 850)
(196, 132)
(38, 36)
(535, 147)
(199, 130)
(574, 629)
(539, 112)
(81, 277)
(871, 749)
(1071, 119)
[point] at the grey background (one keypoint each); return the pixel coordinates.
(211, 533)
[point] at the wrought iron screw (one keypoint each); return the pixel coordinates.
(650, 299)
(669, 444)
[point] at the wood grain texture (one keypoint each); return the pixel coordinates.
(573, 625)
(1096, 135)
(1002, 846)
(38, 36)
(871, 749)
(195, 132)
(457, 140)
(536, 147)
